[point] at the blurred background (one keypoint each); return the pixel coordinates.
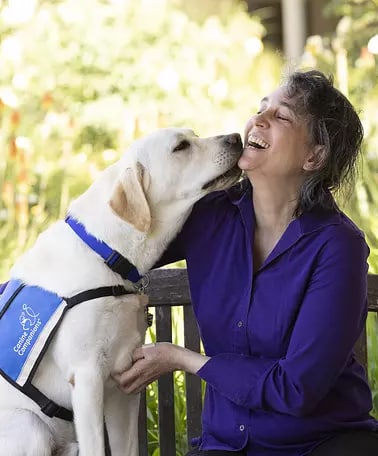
(80, 80)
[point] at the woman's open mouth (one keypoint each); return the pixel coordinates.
(257, 143)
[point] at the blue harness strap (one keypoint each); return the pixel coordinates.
(111, 257)
(29, 318)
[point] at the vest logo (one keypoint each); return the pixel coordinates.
(27, 318)
(30, 324)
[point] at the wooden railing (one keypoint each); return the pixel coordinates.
(169, 288)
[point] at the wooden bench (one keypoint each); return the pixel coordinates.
(169, 288)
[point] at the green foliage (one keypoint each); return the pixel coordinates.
(359, 22)
(81, 80)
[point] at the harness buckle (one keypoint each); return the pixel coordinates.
(141, 286)
(122, 266)
(113, 256)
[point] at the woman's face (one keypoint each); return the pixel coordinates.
(276, 141)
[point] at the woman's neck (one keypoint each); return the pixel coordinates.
(274, 207)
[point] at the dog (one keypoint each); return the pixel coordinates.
(135, 208)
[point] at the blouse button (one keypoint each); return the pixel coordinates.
(240, 323)
(242, 427)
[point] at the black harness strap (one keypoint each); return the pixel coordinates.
(88, 295)
(48, 407)
(119, 264)
(15, 293)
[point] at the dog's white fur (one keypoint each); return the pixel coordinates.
(136, 206)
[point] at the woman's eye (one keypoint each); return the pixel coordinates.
(182, 146)
(282, 118)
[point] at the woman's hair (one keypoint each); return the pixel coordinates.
(334, 124)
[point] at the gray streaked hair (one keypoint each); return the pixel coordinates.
(334, 124)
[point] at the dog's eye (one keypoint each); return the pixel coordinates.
(184, 144)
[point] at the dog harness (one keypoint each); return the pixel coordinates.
(29, 318)
(31, 315)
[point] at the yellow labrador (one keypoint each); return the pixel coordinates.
(134, 208)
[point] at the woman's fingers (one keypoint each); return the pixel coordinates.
(137, 354)
(129, 379)
(150, 361)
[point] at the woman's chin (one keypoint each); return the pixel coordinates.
(251, 158)
(244, 164)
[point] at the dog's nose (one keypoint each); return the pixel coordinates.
(233, 139)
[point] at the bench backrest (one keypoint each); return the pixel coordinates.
(169, 288)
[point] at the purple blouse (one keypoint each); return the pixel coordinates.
(282, 376)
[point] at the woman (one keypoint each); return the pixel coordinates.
(278, 284)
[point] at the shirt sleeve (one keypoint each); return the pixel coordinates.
(328, 324)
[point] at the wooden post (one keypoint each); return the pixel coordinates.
(294, 29)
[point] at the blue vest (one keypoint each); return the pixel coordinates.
(29, 318)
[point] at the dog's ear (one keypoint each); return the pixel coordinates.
(129, 200)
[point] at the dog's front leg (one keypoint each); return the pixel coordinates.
(88, 409)
(121, 417)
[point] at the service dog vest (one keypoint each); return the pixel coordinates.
(29, 318)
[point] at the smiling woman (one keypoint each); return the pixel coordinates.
(315, 131)
(282, 264)
(278, 144)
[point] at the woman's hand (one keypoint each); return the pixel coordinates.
(153, 360)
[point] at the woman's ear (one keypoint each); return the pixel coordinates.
(315, 161)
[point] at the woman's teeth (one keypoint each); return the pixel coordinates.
(254, 141)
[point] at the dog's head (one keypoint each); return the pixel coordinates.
(169, 170)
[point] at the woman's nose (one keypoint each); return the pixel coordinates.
(261, 119)
(258, 120)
